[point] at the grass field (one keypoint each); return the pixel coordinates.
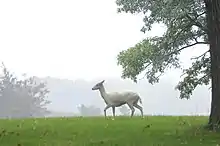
(123, 131)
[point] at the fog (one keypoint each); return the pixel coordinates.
(73, 48)
(158, 99)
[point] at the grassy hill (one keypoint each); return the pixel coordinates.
(97, 131)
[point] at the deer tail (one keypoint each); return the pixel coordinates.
(140, 100)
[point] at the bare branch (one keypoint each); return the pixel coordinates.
(200, 14)
(195, 39)
(202, 55)
(187, 46)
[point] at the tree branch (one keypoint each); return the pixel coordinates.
(200, 14)
(187, 46)
(200, 79)
(196, 14)
(194, 37)
(196, 23)
(180, 32)
(200, 55)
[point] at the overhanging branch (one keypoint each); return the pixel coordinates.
(187, 46)
(174, 52)
(202, 55)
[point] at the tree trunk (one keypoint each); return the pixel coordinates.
(213, 25)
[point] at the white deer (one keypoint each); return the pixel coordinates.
(116, 99)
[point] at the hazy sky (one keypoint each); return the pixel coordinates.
(68, 38)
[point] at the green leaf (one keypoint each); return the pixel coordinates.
(185, 27)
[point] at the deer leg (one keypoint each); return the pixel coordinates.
(132, 108)
(107, 107)
(113, 111)
(140, 108)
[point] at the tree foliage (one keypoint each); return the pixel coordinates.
(22, 98)
(185, 23)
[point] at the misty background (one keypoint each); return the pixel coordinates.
(73, 44)
(158, 99)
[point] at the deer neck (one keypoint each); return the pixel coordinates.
(103, 94)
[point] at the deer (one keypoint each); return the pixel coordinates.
(117, 99)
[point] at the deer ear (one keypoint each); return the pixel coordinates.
(102, 81)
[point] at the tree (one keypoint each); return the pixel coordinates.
(22, 98)
(124, 110)
(188, 23)
(89, 111)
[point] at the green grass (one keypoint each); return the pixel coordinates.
(123, 131)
